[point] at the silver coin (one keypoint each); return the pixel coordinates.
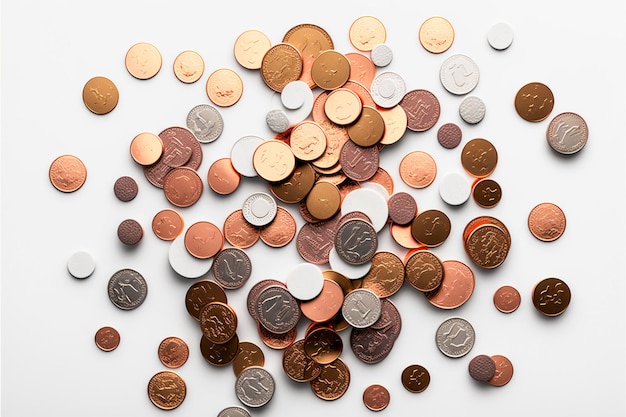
(356, 241)
(361, 308)
(567, 133)
(234, 411)
(259, 209)
(127, 289)
(455, 337)
(277, 120)
(232, 268)
(388, 89)
(472, 110)
(277, 310)
(381, 55)
(459, 74)
(205, 122)
(255, 386)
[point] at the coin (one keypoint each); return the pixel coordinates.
(506, 299)
(327, 304)
(311, 40)
(234, 411)
(224, 87)
(324, 200)
(534, 102)
(304, 281)
(205, 122)
(330, 70)
(127, 289)
(323, 345)
(376, 397)
(67, 173)
(167, 390)
(81, 264)
(231, 268)
(276, 309)
(281, 64)
(173, 352)
(143, 60)
(259, 209)
(201, 293)
(129, 232)
(431, 227)
(382, 55)
(308, 141)
(250, 47)
(298, 365)
(415, 378)
(333, 381)
(402, 208)
(182, 186)
(418, 169)
(218, 322)
(167, 224)
(238, 232)
(273, 160)
(551, 296)
(449, 135)
(222, 177)
(500, 36)
(100, 95)
(146, 148)
(472, 110)
(276, 341)
(479, 157)
(459, 74)
(424, 271)
(343, 106)
(254, 386)
(368, 129)
(219, 354)
(366, 32)
(487, 192)
(248, 354)
(125, 188)
(107, 338)
(546, 221)
(455, 337)
(422, 109)
(361, 308)
(567, 133)
(482, 368)
(388, 89)
(297, 186)
(188, 67)
(356, 241)
(504, 371)
(362, 69)
(359, 163)
(386, 275)
(395, 124)
(488, 246)
(436, 34)
(455, 189)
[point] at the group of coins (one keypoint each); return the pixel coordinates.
(324, 159)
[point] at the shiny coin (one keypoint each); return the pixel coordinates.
(546, 221)
(456, 288)
(281, 64)
(472, 110)
(231, 268)
(146, 148)
(551, 296)
(534, 102)
(308, 141)
(455, 189)
(488, 245)
(324, 200)
(203, 239)
(431, 227)
(238, 232)
(424, 271)
(107, 338)
(366, 32)
(361, 308)
(330, 70)
(436, 34)
(248, 354)
(359, 163)
(100, 95)
(67, 173)
(188, 67)
(368, 129)
(219, 354)
(482, 368)
(311, 40)
(276, 309)
(254, 386)
(362, 69)
(184, 263)
(356, 241)
(386, 276)
(455, 337)
(222, 177)
(125, 188)
(182, 186)
(224, 87)
(323, 345)
(127, 289)
(305, 281)
(143, 61)
(281, 230)
(218, 322)
(327, 304)
(487, 192)
(500, 36)
(459, 74)
(259, 209)
(422, 109)
(479, 157)
(504, 371)
(388, 89)
(173, 352)
(449, 135)
(250, 47)
(567, 133)
(415, 378)
(81, 264)
(167, 390)
(241, 155)
(395, 124)
(376, 397)
(130, 232)
(205, 122)
(201, 293)
(333, 381)
(343, 106)
(506, 299)
(382, 55)
(273, 160)
(298, 365)
(233, 411)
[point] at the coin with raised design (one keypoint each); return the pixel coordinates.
(356, 241)
(107, 338)
(203, 239)
(143, 60)
(479, 157)
(173, 352)
(551, 296)
(255, 386)
(472, 110)
(436, 34)
(459, 74)
(233, 411)
(127, 289)
(311, 40)
(456, 288)
(415, 378)
(330, 70)
(100, 95)
(418, 169)
(361, 308)
(482, 368)
(188, 67)
(250, 47)
(504, 371)
(431, 227)
(506, 299)
(273, 160)
(424, 271)
(333, 381)
(376, 397)
(232, 268)
(276, 309)
(182, 186)
(388, 89)
(567, 133)
(259, 209)
(67, 173)
(487, 192)
(546, 221)
(534, 102)
(201, 293)
(281, 64)
(224, 87)
(167, 390)
(366, 32)
(218, 322)
(455, 337)
(248, 354)
(205, 122)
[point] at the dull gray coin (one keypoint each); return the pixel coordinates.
(455, 337)
(459, 74)
(472, 110)
(205, 122)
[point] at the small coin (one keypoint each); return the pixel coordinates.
(472, 110)
(222, 177)
(366, 32)
(459, 74)
(254, 386)
(218, 322)
(259, 209)
(173, 352)
(551, 296)
(506, 299)
(455, 189)
(182, 186)
(81, 264)
(487, 192)
(449, 135)
(130, 232)
(203, 239)
(250, 47)
(546, 221)
(298, 365)
(188, 67)
(382, 55)
(125, 188)
(107, 338)
(146, 148)
(224, 87)
(100, 95)
(500, 36)
(415, 378)
(167, 224)
(388, 89)
(167, 390)
(201, 293)
(67, 173)
(205, 122)
(248, 354)
(232, 268)
(455, 337)
(567, 133)
(376, 397)
(362, 69)
(534, 102)
(488, 245)
(281, 64)
(479, 157)
(127, 289)
(402, 208)
(482, 368)
(436, 34)
(431, 227)
(418, 169)
(361, 308)
(504, 371)
(143, 60)
(277, 120)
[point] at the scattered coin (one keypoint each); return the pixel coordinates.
(173, 352)
(127, 289)
(418, 169)
(100, 95)
(232, 268)
(224, 87)
(382, 55)
(459, 74)
(182, 186)
(487, 192)
(455, 337)
(146, 148)
(449, 135)
(201, 293)
(125, 188)
(248, 354)
(205, 122)
(130, 232)
(218, 322)
(107, 338)
(415, 378)
(281, 64)
(255, 386)
(455, 189)
(436, 34)
(361, 308)
(500, 36)
(143, 60)
(81, 264)
(366, 32)
(567, 133)
(188, 67)
(184, 263)
(422, 109)
(551, 296)
(546, 222)
(376, 397)
(504, 371)
(67, 173)
(233, 411)
(250, 47)
(482, 368)
(472, 110)
(388, 89)
(330, 70)
(259, 209)
(203, 239)
(167, 390)
(479, 157)
(506, 299)
(333, 381)
(534, 102)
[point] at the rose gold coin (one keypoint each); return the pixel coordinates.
(307, 141)
(296, 186)
(250, 46)
(396, 122)
(224, 87)
(386, 275)
(100, 95)
(188, 67)
(342, 106)
(534, 102)
(361, 91)
(368, 129)
(402, 208)
(281, 230)
(403, 236)
(422, 109)
(276, 341)
(273, 160)
(219, 354)
(314, 241)
(366, 32)
(418, 169)
(146, 148)
(218, 322)
(311, 40)
(346, 284)
(173, 352)
(201, 293)
(333, 381)
(281, 65)
(222, 177)
(323, 200)
(182, 187)
(143, 60)
(203, 240)
(383, 178)
(107, 338)
(504, 371)
(424, 271)
(376, 397)
(67, 173)
(488, 246)
(180, 146)
(415, 378)
(479, 157)
(486, 192)
(156, 173)
(506, 299)
(456, 288)
(359, 163)
(551, 296)
(330, 70)
(436, 34)
(167, 390)
(248, 354)
(482, 220)
(326, 305)
(238, 232)
(167, 224)
(362, 69)
(546, 222)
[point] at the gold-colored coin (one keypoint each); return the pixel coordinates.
(310, 40)
(534, 102)
(188, 67)
(369, 128)
(250, 47)
(224, 87)
(323, 200)
(296, 186)
(479, 157)
(281, 65)
(395, 124)
(100, 95)
(343, 106)
(143, 61)
(273, 160)
(330, 70)
(436, 35)
(146, 148)
(366, 32)
(307, 141)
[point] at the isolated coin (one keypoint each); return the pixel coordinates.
(127, 289)
(100, 95)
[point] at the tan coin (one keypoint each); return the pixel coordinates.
(479, 157)
(386, 275)
(273, 160)
(307, 141)
(224, 87)
(330, 70)
(146, 148)
(368, 129)
(143, 60)
(396, 123)
(248, 354)
(343, 106)
(107, 338)
(281, 65)
(295, 187)
(310, 40)
(546, 222)
(167, 224)
(366, 32)
(182, 186)
(222, 177)
(67, 173)
(100, 95)
(173, 352)
(436, 35)
(418, 169)
(534, 102)
(167, 390)
(203, 240)
(218, 322)
(323, 200)
(424, 271)
(250, 46)
(188, 67)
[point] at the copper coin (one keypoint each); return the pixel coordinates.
(343, 106)
(449, 135)
(333, 381)
(129, 232)
(156, 173)
(403, 236)
(314, 241)
(418, 169)
(125, 188)
(482, 220)
(487, 192)
(323, 345)
(567, 133)
(201, 293)
(173, 352)
(362, 69)
(248, 354)
(482, 368)
(204, 240)
(372, 345)
(422, 109)
(218, 322)
(366, 32)
(326, 305)
(323, 200)
(311, 40)
(307, 141)
(127, 289)
(107, 338)
(383, 178)
(479, 157)
(224, 87)
(281, 230)
(402, 208)
(456, 288)
(276, 341)
(67, 173)
(143, 60)
(431, 227)
(238, 232)
(188, 67)
(222, 177)
(346, 284)
(250, 46)
(376, 397)
(167, 224)
(179, 146)
(504, 371)
(182, 187)
(488, 246)
(281, 64)
(386, 275)
(396, 121)
(277, 310)
(415, 378)
(506, 299)
(219, 354)
(390, 320)
(167, 390)
(534, 102)
(359, 163)
(232, 268)
(424, 271)
(363, 92)
(100, 95)
(546, 222)
(146, 148)
(295, 187)
(298, 365)
(368, 129)
(330, 69)
(551, 296)
(273, 160)
(436, 35)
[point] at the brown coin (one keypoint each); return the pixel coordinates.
(295, 187)
(330, 70)
(481, 220)
(323, 345)
(534, 102)
(167, 224)
(273, 160)
(250, 47)
(396, 121)
(173, 352)
(143, 60)
(488, 246)
(218, 322)
(546, 222)
(248, 354)
(219, 354)
(222, 177)
(107, 338)
(449, 135)
(201, 293)
(422, 109)
(504, 371)
(255, 291)
(315, 240)
(307, 141)
(179, 144)
(366, 32)
(486, 192)
(281, 230)
(506, 299)
(386, 275)
(368, 129)
(238, 232)
(567, 133)
(389, 318)
(224, 87)
(100, 95)
(362, 69)
(402, 208)
(277, 341)
(182, 187)
(188, 67)
(125, 188)
(403, 236)
(167, 390)
(551, 296)
(281, 64)
(383, 178)
(326, 305)
(346, 284)
(310, 40)
(424, 271)
(156, 173)
(456, 288)
(431, 227)
(129, 232)
(204, 240)
(146, 148)
(231, 268)
(323, 200)
(67, 173)
(343, 106)
(479, 157)
(333, 381)
(415, 378)
(298, 365)
(482, 368)
(359, 163)
(372, 345)
(418, 169)
(436, 34)
(376, 397)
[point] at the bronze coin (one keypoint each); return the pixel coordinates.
(418, 169)
(333, 381)
(281, 64)
(534, 102)
(551, 296)
(232, 268)
(330, 69)
(368, 129)
(250, 46)
(327, 304)
(402, 208)
(372, 345)
(488, 246)
(222, 177)
(481, 220)
(156, 173)
(179, 145)
(323, 345)
(343, 106)
(130, 232)
(546, 222)
(173, 352)
(143, 61)
(345, 283)
(125, 188)
(323, 200)
(311, 40)
(415, 378)
(100, 95)
(506, 299)
(281, 230)
(362, 69)
(376, 397)
(383, 178)
(366, 32)
(456, 287)
(219, 354)
(359, 163)
(188, 67)
(390, 320)
(402, 236)
(436, 34)
(567, 133)
(107, 338)
(238, 232)
(218, 322)
(67, 173)
(277, 310)
(201, 293)
(363, 93)
(424, 271)
(431, 227)
(248, 354)
(296, 186)
(486, 192)
(386, 275)
(146, 148)
(298, 365)
(307, 141)
(479, 157)
(449, 135)
(224, 87)
(276, 341)
(167, 224)
(167, 390)
(182, 187)
(203, 240)
(482, 368)
(504, 371)
(422, 109)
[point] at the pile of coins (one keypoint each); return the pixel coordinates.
(324, 159)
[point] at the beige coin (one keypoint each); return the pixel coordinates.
(100, 95)
(330, 70)
(224, 87)
(273, 160)
(307, 141)
(143, 61)
(281, 64)
(146, 148)
(343, 106)
(323, 200)
(418, 169)
(250, 47)
(188, 67)
(395, 124)
(366, 32)
(368, 129)
(436, 34)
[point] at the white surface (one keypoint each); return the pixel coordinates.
(500, 36)
(569, 365)
(369, 201)
(184, 263)
(305, 281)
(242, 152)
(455, 188)
(81, 264)
(349, 271)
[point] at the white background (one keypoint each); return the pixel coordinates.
(570, 365)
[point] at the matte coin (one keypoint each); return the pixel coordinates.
(567, 133)
(551, 296)
(418, 169)
(127, 289)
(449, 135)
(388, 89)
(167, 390)
(456, 288)
(305, 281)
(81, 264)
(100, 95)
(143, 60)
(224, 87)
(366, 32)
(67, 173)
(241, 155)
(402, 208)
(436, 34)
(504, 371)
(107, 338)
(250, 47)
(232, 268)
(146, 148)
(330, 70)
(311, 40)
(506, 299)
(184, 263)
(482, 368)
(415, 378)
(204, 240)
(455, 189)
(459, 74)
(183, 186)
(546, 221)
(472, 110)
(500, 36)
(222, 177)
(254, 386)
(130, 232)
(188, 67)
(125, 188)
(382, 55)
(422, 109)
(376, 397)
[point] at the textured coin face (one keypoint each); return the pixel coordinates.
(277, 310)
(431, 227)
(107, 338)
(436, 34)
(388, 89)
(182, 186)
(100, 95)
(356, 241)
(506, 299)
(487, 192)
(281, 64)
(67, 173)
(333, 381)
(173, 352)
(188, 67)
(218, 322)
(167, 224)
(546, 221)
(205, 122)
(422, 109)
(254, 386)
(472, 110)
(201, 293)
(250, 46)
(534, 102)
(459, 74)
(366, 32)
(488, 246)
(248, 354)
(259, 209)
(504, 371)
(482, 368)
(127, 289)
(224, 87)
(125, 188)
(361, 308)
(415, 378)
(143, 61)
(455, 337)
(418, 169)
(567, 133)
(232, 268)
(298, 365)
(376, 397)
(424, 271)
(167, 390)
(479, 157)
(551, 296)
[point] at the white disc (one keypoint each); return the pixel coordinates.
(294, 94)
(349, 271)
(472, 109)
(81, 264)
(277, 120)
(381, 55)
(370, 202)
(184, 263)
(305, 281)
(500, 36)
(455, 189)
(380, 189)
(241, 155)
